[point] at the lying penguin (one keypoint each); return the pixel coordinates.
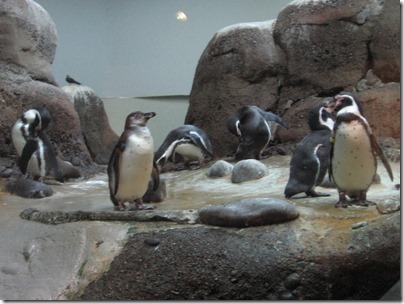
(254, 128)
(353, 153)
(34, 149)
(189, 141)
(310, 159)
(131, 167)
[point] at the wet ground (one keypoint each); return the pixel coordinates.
(36, 259)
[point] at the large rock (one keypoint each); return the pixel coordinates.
(99, 136)
(28, 39)
(314, 49)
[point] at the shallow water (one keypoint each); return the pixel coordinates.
(192, 189)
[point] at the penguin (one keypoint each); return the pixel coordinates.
(131, 166)
(310, 159)
(34, 149)
(254, 128)
(189, 141)
(353, 153)
(70, 80)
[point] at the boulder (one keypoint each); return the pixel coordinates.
(314, 49)
(98, 134)
(28, 40)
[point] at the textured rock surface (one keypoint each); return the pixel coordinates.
(249, 212)
(313, 49)
(247, 170)
(28, 188)
(100, 138)
(219, 169)
(28, 39)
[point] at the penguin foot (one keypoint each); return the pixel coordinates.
(119, 208)
(313, 193)
(140, 207)
(342, 203)
(362, 202)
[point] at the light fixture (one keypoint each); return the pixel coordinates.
(181, 16)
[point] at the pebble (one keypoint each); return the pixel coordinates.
(152, 242)
(247, 170)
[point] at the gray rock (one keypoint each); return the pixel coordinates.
(249, 212)
(247, 170)
(28, 188)
(314, 48)
(28, 38)
(99, 136)
(219, 169)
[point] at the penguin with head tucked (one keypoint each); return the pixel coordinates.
(34, 149)
(189, 141)
(254, 128)
(131, 165)
(310, 159)
(353, 153)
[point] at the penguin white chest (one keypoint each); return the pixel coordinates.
(189, 151)
(353, 163)
(135, 167)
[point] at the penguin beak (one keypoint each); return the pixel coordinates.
(149, 115)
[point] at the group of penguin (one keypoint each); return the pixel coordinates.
(346, 148)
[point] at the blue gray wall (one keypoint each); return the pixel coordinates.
(138, 47)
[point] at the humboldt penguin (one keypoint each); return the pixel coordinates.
(34, 149)
(130, 167)
(70, 80)
(254, 128)
(310, 159)
(353, 153)
(189, 141)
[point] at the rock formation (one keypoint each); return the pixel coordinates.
(312, 50)
(100, 138)
(28, 40)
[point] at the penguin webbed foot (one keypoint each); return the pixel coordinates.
(361, 200)
(342, 201)
(138, 205)
(313, 193)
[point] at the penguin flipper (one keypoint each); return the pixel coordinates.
(51, 161)
(155, 176)
(30, 147)
(200, 142)
(376, 147)
(271, 117)
(113, 169)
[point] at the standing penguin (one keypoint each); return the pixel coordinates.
(131, 164)
(310, 159)
(254, 128)
(34, 149)
(353, 153)
(189, 141)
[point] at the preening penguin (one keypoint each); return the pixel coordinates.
(34, 149)
(131, 164)
(189, 141)
(353, 153)
(310, 159)
(254, 128)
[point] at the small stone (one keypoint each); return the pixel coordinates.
(360, 225)
(152, 242)
(247, 170)
(219, 169)
(292, 281)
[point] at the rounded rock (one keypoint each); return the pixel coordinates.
(220, 169)
(247, 170)
(249, 212)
